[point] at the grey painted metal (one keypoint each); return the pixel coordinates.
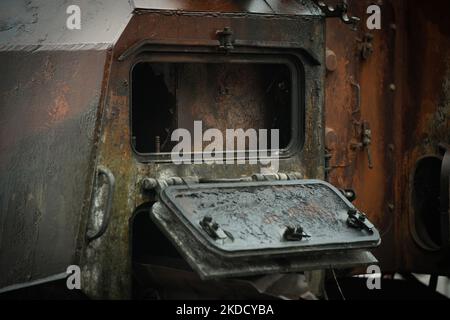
(48, 118)
(41, 24)
(49, 111)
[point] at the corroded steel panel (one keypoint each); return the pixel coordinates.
(403, 92)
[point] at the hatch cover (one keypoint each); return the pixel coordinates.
(251, 227)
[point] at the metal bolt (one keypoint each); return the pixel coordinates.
(331, 61)
(392, 87)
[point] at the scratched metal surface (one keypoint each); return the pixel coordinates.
(256, 216)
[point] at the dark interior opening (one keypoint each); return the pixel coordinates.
(168, 96)
(426, 201)
(149, 244)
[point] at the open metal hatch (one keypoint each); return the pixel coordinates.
(242, 229)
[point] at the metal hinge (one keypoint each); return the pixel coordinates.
(149, 184)
(226, 39)
(339, 11)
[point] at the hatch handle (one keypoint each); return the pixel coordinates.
(295, 233)
(102, 171)
(213, 229)
(358, 220)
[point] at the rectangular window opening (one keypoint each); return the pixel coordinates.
(223, 95)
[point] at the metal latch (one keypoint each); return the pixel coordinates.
(295, 233)
(226, 40)
(366, 46)
(366, 142)
(213, 229)
(358, 220)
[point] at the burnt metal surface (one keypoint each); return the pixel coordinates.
(167, 31)
(252, 217)
(391, 79)
(211, 266)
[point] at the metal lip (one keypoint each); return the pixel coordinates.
(292, 250)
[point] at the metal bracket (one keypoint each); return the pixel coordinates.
(358, 220)
(226, 39)
(366, 142)
(339, 11)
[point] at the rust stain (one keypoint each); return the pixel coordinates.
(61, 108)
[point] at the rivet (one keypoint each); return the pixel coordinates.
(331, 61)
